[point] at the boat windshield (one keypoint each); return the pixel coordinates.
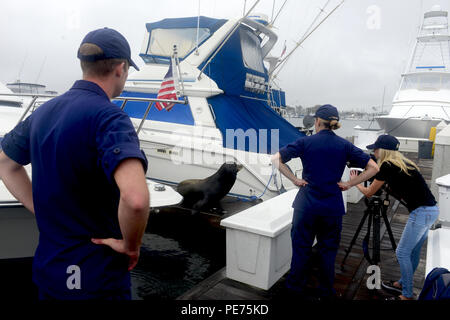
(427, 82)
(251, 50)
(10, 104)
(159, 45)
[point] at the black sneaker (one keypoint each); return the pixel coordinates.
(389, 287)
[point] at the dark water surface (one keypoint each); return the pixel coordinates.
(178, 251)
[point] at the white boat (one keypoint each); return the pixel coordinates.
(11, 109)
(19, 234)
(228, 115)
(18, 97)
(423, 99)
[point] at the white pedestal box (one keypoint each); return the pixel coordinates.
(353, 194)
(438, 247)
(259, 248)
(444, 199)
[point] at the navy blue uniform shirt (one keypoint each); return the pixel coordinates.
(74, 143)
(324, 157)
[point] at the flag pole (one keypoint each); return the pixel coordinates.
(180, 77)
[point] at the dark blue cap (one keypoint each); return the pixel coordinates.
(385, 141)
(113, 44)
(327, 112)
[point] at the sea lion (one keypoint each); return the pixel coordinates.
(204, 194)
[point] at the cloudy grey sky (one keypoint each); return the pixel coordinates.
(362, 48)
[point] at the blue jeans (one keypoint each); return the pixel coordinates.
(305, 227)
(413, 237)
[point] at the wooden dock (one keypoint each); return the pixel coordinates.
(350, 282)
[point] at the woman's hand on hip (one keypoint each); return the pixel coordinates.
(300, 182)
(344, 185)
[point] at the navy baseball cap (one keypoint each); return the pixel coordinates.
(327, 112)
(113, 44)
(385, 141)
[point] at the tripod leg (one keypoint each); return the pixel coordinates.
(376, 237)
(349, 249)
(389, 230)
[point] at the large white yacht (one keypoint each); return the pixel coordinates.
(423, 99)
(11, 108)
(228, 115)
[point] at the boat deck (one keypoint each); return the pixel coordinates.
(350, 282)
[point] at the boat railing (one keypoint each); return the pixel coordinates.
(34, 103)
(150, 101)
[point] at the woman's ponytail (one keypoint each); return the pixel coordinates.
(334, 125)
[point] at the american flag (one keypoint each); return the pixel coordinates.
(167, 91)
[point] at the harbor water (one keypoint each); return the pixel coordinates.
(178, 251)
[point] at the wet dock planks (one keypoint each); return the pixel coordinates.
(350, 282)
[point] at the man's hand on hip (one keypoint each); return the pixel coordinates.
(119, 246)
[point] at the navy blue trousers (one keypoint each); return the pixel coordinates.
(305, 227)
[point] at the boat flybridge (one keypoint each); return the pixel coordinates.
(423, 99)
(11, 108)
(224, 112)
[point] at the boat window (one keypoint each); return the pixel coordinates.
(426, 82)
(430, 82)
(162, 41)
(251, 50)
(446, 82)
(410, 82)
(10, 104)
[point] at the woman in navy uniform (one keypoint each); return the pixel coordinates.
(319, 206)
(407, 184)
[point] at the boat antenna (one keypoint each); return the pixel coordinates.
(382, 101)
(198, 27)
(235, 27)
(273, 9)
(40, 70)
(21, 67)
(272, 22)
(245, 4)
(303, 39)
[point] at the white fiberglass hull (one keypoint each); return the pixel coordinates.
(252, 180)
(407, 127)
(19, 234)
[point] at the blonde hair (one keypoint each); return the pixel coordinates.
(397, 159)
(333, 124)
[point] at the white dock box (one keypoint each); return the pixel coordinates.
(444, 198)
(259, 248)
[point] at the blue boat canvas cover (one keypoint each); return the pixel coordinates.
(237, 108)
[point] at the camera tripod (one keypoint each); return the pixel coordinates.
(376, 208)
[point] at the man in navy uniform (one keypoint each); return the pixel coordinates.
(88, 190)
(319, 206)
